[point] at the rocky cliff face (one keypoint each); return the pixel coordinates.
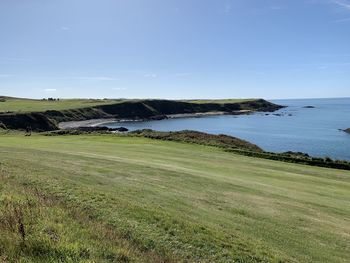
(20, 121)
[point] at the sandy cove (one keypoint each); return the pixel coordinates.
(98, 122)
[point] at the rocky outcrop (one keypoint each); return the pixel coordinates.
(101, 129)
(309, 107)
(347, 130)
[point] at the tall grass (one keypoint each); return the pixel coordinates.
(38, 227)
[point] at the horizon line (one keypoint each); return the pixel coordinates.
(181, 99)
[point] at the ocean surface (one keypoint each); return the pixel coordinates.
(310, 130)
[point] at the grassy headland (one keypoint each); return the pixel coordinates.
(221, 141)
(108, 198)
(10, 104)
(45, 115)
(220, 101)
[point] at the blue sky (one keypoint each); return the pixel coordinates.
(175, 48)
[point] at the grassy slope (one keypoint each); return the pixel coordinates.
(172, 200)
(221, 141)
(28, 105)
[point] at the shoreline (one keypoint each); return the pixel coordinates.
(98, 122)
(86, 123)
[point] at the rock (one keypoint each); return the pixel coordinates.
(2, 126)
(347, 130)
(309, 107)
(158, 117)
(121, 129)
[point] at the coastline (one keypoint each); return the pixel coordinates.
(98, 122)
(46, 117)
(205, 114)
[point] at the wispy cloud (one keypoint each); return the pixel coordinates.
(63, 28)
(228, 8)
(119, 88)
(13, 59)
(50, 90)
(6, 75)
(99, 78)
(342, 3)
(276, 7)
(326, 65)
(150, 75)
(78, 78)
(183, 74)
(335, 55)
(342, 20)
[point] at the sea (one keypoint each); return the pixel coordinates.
(316, 130)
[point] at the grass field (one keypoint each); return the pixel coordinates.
(28, 105)
(124, 199)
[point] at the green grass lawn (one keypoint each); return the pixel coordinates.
(28, 105)
(112, 198)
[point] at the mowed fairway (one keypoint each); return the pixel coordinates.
(174, 202)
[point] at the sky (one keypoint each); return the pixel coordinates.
(175, 49)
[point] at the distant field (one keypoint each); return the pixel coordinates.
(27, 105)
(124, 199)
(221, 101)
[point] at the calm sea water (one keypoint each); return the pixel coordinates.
(313, 131)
